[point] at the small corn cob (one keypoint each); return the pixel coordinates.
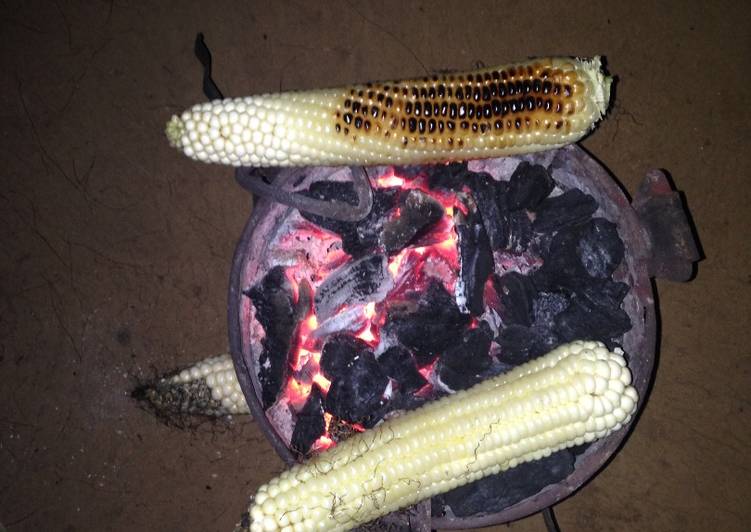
(491, 112)
(219, 375)
(574, 394)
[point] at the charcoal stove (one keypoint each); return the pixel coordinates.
(657, 242)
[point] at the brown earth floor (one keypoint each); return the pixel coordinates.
(116, 249)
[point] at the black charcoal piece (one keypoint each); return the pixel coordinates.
(604, 293)
(357, 237)
(600, 249)
(517, 294)
(360, 281)
(475, 261)
(497, 492)
(528, 186)
(274, 302)
(339, 353)
(429, 325)
(573, 207)
(410, 171)
(519, 231)
(418, 212)
(451, 176)
(521, 344)
(462, 365)
(562, 268)
(485, 191)
(546, 306)
(354, 395)
(584, 320)
(399, 364)
(310, 424)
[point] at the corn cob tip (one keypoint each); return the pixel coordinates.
(600, 82)
(174, 131)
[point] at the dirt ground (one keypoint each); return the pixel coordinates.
(116, 249)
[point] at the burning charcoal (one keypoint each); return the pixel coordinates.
(517, 294)
(354, 395)
(417, 213)
(410, 171)
(275, 311)
(497, 492)
(461, 365)
(430, 326)
(451, 176)
(360, 281)
(585, 320)
(528, 186)
(520, 344)
(494, 216)
(573, 207)
(328, 191)
(339, 353)
(310, 424)
(399, 364)
(600, 248)
(475, 262)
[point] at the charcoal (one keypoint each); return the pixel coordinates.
(358, 238)
(360, 281)
(354, 395)
(600, 249)
(451, 176)
(585, 320)
(519, 231)
(461, 365)
(528, 186)
(521, 344)
(418, 212)
(497, 492)
(430, 326)
(399, 364)
(546, 307)
(339, 353)
(605, 293)
(562, 268)
(573, 207)
(410, 171)
(475, 262)
(485, 191)
(517, 294)
(273, 300)
(310, 424)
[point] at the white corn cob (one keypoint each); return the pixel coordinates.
(220, 377)
(574, 394)
(491, 112)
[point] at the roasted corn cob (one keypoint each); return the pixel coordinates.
(219, 375)
(574, 394)
(492, 112)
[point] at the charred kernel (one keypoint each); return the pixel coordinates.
(546, 87)
(450, 124)
(348, 118)
(558, 107)
(460, 143)
(474, 126)
(405, 91)
(527, 86)
(380, 97)
(450, 141)
(338, 128)
(347, 103)
(374, 111)
(371, 94)
(486, 76)
(504, 75)
(444, 108)
(415, 92)
(358, 122)
(394, 123)
(449, 92)
(495, 74)
(526, 122)
(514, 108)
(483, 127)
(436, 109)
(496, 105)
(452, 110)
(505, 108)
(558, 124)
(367, 125)
(493, 90)
(428, 109)
(404, 123)
(423, 93)
(389, 102)
(440, 126)
(487, 111)
(519, 86)
(360, 93)
(364, 109)
(346, 131)
(502, 90)
(431, 92)
(498, 124)
(462, 110)
(567, 90)
(536, 85)
(412, 124)
(512, 72)
(356, 107)
(468, 92)
(477, 94)
(421, 125)
(464, 124)
(404, 141)
(557, 89)
(459, 93)
(435, 77)
(511, 89)
(470, 77)
(441, 91)
(530, 103)
(418, 108)
(386, 88)
(470, 111)
(518, 123)
(408, 108)
(431, 125)
(548, 104)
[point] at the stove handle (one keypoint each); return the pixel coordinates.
(674, 247)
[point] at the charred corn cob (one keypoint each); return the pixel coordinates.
(492, 112)
(219, 375)
(574, 394)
